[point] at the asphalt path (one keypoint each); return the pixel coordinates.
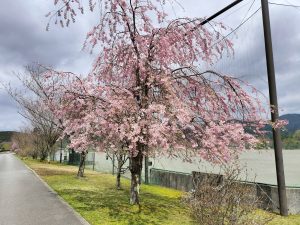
(257, 165)
(25, 200)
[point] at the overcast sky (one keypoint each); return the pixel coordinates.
(23, 40)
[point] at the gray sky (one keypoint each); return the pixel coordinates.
(23, 40)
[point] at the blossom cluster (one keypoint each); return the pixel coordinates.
(145, 88)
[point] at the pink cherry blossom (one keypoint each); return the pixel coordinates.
(146, 93)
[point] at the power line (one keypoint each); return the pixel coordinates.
(234, 11)
(281, 4)
(235, 29)
(248, 10)
(241, 24)
(291, 4)
(220, 12)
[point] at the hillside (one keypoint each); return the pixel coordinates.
(294, 122)
(290, 139)
(5, 136)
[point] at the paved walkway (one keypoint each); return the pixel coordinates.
(25, 200)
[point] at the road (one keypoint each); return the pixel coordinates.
(25, 200)
(259, 165)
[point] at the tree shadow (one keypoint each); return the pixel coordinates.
(154, 209)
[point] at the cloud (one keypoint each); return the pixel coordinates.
(9, 117)
(23, 40)
(23, 37)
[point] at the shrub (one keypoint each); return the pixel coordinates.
(227, 201)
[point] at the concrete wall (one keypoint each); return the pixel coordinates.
(66, 156)
(293, 198)
(56, 155)
(259, 164)
(101, 164)
(268, 194)
(180, 181)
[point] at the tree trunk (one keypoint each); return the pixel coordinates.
(119, 170)
(118, 181)
(81, 164)
(43, 155)
(60, 157)
(48, 157)
(136, 165)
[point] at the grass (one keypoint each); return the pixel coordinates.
(97, 200)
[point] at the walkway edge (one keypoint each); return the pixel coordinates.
(81, 219)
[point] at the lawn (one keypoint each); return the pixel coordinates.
(97, 200)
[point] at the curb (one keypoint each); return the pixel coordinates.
(77, 215)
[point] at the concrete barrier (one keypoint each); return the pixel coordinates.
(171, 179)
(268, 194)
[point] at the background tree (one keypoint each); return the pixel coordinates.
(291, 141)
(121, 157)
(23, 143)
(31, 99)
(146, 89)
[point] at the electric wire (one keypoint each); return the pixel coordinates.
(235, 29)
(281, 4)
(248, 10)
(291, 4)
(234, 11)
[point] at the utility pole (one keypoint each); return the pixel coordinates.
(274, 108)
(273, 98)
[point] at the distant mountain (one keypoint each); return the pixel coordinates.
(5, 136)
(289, 140)
(294, 122)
